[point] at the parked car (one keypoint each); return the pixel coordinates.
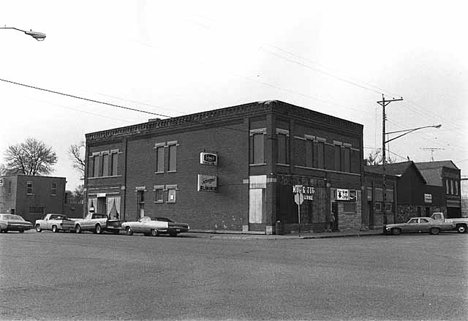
(155, 226)
(419, 225)
(97, 223)
(54, 223)
(12, 222)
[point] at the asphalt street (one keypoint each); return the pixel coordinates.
(67, 276)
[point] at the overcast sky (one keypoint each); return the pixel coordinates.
(174, 58)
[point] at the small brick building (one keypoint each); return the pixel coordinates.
(32, 196)
(231, 169)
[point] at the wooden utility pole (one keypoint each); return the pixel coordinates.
(384, 103)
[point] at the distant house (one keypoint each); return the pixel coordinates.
(448, 176)
(32, 196)
(414, 196)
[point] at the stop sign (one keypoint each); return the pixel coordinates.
(298, 198)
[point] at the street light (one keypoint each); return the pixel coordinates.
(408, 131)
(39, 36)
(384, 161)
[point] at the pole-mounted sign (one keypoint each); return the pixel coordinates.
(302, 193)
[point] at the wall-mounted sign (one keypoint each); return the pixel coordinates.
(303, 193)
(207, 183)
(427, 198)
(208, 158)
(346, 194)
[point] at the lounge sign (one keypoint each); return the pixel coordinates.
(303, 193)
(207, 183)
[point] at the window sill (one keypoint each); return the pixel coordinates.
(253, 165)
(98, 177)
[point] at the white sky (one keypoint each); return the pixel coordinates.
(181, 57)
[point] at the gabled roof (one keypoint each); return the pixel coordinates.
(432, 171)
(394, 169)
(436, 165)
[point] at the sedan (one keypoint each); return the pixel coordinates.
(12, 222)
(155, 226)
(419, 225)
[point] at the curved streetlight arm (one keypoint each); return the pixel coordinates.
(408, 131)
(39, 36)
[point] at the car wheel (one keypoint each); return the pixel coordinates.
(54, 229)
(396, 231)
(38, 228)
(434, 231)
(128, 230)
(154, 232)
(461, 229)
(97, 229)
(78, 228)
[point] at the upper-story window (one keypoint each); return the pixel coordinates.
(29, 188)
(95, 172)
(105, 165)
(172, 161)
(114, 163)
(257, 146)
(282, 146)
(319, 153)
(53, 189)
(160, 157)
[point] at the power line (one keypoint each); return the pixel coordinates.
(83, 98)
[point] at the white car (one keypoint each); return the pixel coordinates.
(155, 226)
(52, 222)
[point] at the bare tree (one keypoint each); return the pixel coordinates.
(375, 158)
(76, 153)
(32, 157)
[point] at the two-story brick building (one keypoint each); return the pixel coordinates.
(231, 169)
(32, 196)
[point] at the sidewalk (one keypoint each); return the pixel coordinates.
(296, 236)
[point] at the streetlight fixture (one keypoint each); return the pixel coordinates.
(39, 36)
(408, 131)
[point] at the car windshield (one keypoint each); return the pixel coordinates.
(11, 217)
(164, 219)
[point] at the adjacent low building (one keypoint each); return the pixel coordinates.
(264, 167)
(409, 194)
(32, 196)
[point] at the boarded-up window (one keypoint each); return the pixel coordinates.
(257, 151)
(160, 159)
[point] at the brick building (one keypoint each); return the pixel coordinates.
(32, 196)
(231, 169)
(448, 176)
(408, 192)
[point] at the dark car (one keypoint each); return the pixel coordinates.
(173, 228)
(12, 222)
(419, 225)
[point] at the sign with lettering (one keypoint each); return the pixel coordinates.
(208, 158)
(303, 193)
(207, 183)
(345, 194)
(427, 198)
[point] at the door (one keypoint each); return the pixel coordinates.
(412, 226)
(141, 204)
(335, 216)
(256, 202)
